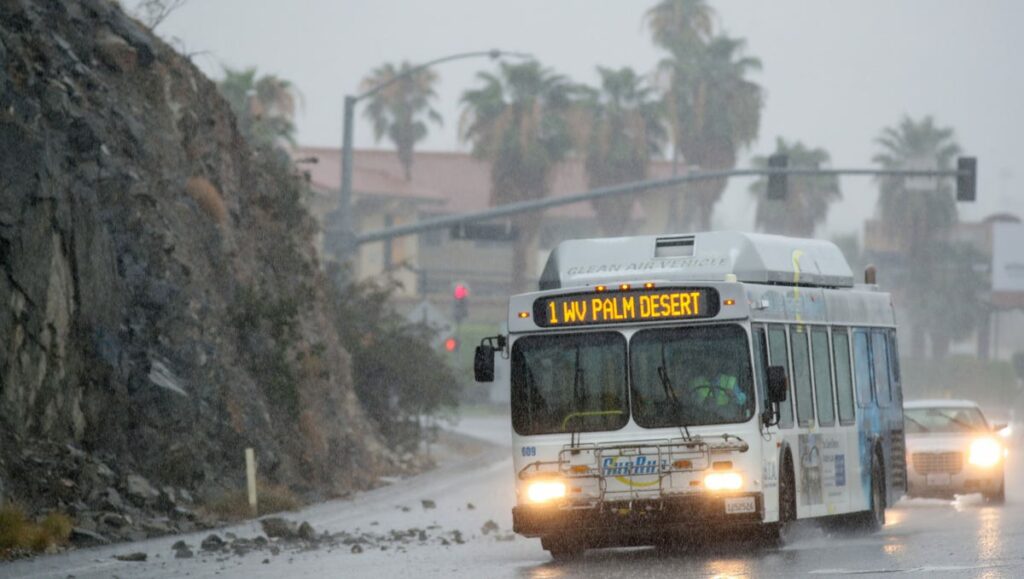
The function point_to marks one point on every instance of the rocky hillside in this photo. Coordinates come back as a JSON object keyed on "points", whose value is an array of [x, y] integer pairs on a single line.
{"points": [[162, 306]]}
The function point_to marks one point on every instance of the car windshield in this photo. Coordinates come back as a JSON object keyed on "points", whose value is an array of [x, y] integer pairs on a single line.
{"points": [[569, 383], [691, 376], [945, 420]]}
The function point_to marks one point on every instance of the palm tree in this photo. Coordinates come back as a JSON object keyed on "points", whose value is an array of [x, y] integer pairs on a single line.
{"points": [[678, 25], [807, 199], [681, 27], [519, 121], [624, 129], [714, 111], [264, 106], [913, 216], [401, 110], [917, 220], [948, 303]]}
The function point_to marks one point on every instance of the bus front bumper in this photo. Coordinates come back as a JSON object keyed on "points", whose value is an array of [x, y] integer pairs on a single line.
{"points": [[639, 518]]}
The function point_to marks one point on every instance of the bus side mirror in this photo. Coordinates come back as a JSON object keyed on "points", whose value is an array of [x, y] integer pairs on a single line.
{"points": [[778, 385], [483, 363]]}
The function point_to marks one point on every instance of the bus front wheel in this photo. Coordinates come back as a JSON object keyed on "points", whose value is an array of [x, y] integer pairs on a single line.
{"points": [[562, 548], [774, 533]]}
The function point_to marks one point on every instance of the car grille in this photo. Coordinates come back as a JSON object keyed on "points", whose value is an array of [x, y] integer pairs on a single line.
{"points": [[929, 462]]}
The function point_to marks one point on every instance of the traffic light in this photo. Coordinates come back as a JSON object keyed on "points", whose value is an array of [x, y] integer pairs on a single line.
{"points": [[967, 179], [460, 293], [777, 182], [451, 344], [1018, 364]]}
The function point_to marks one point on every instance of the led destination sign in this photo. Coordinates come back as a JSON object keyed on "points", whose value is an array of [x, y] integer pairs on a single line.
{"points": [[612, 307]]}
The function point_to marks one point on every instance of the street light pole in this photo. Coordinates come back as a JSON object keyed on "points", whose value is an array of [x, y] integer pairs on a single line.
{"points": [[346, 237], [346, 224]]}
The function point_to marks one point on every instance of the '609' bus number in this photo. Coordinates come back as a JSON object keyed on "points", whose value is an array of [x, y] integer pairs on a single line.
{"points": [[529, 451]]}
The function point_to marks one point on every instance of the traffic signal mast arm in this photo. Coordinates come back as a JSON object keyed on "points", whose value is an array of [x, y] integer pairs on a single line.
{"points": [[965, 174]]}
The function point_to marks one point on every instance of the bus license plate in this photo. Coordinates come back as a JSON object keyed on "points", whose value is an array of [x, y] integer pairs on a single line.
{"points": [[740, 505], [938, 479]]}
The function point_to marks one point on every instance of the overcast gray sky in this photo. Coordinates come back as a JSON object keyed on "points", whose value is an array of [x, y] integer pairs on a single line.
{"points": [[835, 72]]}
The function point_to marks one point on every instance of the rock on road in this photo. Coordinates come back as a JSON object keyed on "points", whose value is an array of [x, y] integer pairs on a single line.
{"points": [[962, 538]]}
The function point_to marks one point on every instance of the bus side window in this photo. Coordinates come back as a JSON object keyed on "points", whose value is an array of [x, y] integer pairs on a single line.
{"points": [[880, 354], [822, 377], [844, 375], [802, 375], [862, 367], [760, 364], [778, 354]]}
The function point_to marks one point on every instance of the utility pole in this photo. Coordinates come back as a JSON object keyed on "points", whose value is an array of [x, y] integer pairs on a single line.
{"points": [[966, 176]]}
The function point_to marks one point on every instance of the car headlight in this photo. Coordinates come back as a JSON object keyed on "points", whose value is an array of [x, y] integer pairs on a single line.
{"points": [[985, 452], [542, 491], [723, 481]]}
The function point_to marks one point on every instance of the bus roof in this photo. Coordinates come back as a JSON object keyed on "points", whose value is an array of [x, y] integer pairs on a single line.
{"points": [[751, 257]]}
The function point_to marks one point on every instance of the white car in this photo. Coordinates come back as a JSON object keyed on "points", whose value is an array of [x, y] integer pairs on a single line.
{"points": [[951, 449]]}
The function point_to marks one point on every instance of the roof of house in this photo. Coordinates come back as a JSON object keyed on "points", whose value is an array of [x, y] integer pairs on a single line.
{"points": [[451, 182]]}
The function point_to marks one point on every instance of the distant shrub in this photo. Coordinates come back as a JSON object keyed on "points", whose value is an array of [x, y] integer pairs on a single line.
{"points": [[399, 376], [19, 533], [991, 383], [207, 197], [272, 498]]}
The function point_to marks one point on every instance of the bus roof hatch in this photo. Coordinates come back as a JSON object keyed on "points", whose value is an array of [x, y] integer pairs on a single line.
{"points": [[752, 257]]}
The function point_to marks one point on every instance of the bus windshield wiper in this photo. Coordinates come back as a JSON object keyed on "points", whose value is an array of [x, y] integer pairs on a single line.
{"points": [[670, 394], [578, 397]]}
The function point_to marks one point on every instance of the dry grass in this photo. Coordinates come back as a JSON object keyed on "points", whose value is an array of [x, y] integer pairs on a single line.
{"points": [[234, 505], [19, 533], [208, 198]]}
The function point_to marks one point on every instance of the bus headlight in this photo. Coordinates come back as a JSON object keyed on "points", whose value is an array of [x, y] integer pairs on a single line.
{"points": [[723, 481], [985, 452], [542, 491]]}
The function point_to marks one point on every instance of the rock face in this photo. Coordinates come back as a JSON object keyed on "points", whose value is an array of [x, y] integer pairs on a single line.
{"points": [[160, 298]]}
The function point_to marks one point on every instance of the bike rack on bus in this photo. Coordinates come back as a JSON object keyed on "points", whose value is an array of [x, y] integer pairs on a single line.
{"points": [[677, 455]]}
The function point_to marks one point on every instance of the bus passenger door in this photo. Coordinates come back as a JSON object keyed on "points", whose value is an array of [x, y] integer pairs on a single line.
{"points": [[769, 452]]}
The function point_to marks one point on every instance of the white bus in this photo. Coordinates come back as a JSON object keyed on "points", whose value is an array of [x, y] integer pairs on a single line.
{"points": [[668, 384]]}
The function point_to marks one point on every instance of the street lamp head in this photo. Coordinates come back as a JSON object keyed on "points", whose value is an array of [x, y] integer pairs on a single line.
{"points": [[495, 54]]}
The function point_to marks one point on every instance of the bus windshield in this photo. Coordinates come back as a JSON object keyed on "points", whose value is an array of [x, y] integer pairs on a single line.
{"points": [[569, 383], [691, 376]]}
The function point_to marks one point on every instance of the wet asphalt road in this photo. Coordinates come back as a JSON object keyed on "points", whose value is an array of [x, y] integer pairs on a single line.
{"points": [[924, 538]]}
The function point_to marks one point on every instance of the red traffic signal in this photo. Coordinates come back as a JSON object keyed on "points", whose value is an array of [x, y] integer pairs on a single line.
{"points": [[461, 291], [451, 344]]}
